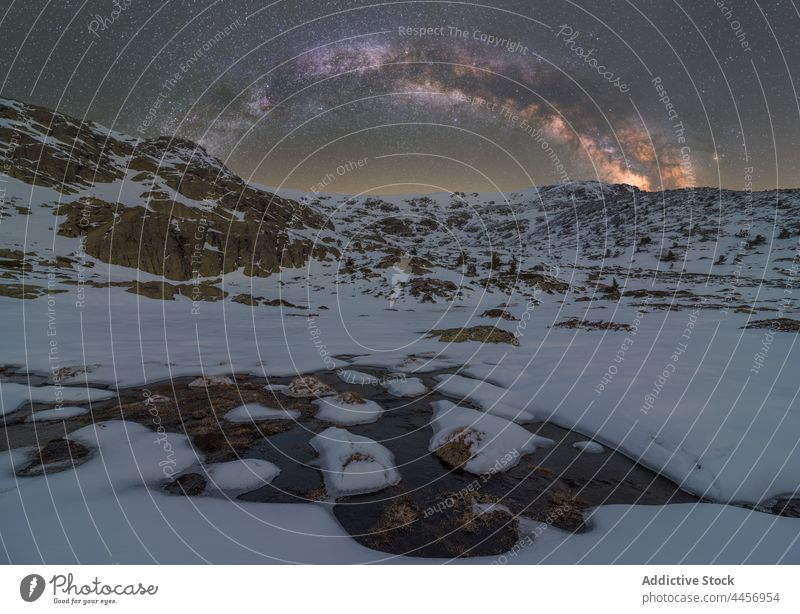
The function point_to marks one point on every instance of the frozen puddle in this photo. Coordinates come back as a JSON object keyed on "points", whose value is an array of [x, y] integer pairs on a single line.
{"points": [[473, 483], [353, 464]]}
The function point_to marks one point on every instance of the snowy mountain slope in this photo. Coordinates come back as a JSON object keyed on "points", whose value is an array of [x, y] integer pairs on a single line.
{"points": [[629, 309]]}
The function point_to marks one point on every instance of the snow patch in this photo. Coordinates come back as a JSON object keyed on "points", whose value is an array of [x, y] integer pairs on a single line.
{"points": [[253, 412], [13, 395], [495, 444], [353, 464], [592, 447], [487, 395], [339, 411], [406, 387], [245, 474]]}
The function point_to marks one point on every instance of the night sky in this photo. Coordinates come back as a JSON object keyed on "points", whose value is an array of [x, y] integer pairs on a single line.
{"points": [[431, 96]]}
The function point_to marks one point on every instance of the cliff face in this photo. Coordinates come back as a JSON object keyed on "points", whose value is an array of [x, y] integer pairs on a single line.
{"points": [[164, 206]]}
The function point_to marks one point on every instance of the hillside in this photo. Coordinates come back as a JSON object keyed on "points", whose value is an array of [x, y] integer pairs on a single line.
{"points": [[660, 326]]}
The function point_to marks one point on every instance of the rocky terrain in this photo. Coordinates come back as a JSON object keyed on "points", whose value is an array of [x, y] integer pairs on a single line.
{"points": [[656, 329]]}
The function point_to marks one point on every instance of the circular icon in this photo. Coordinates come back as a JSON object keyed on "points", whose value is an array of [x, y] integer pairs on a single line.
{"points": [[31, 587]]}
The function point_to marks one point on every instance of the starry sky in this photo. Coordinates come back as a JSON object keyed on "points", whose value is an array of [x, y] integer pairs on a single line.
{"points": [[431, 96]]}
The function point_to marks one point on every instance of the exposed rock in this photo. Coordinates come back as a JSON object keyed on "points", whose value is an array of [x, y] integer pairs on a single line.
{"points": [[565, 511], [280, 302], [428, 290], [247, 299], [189, 484], [481, 334], [204, 291], [592, 325], [168, 238], [785, 325], [787, 507], [221, 441], [57, 455], [414, 265], [14, 260], [27, 291], [497, 313], [308, 386], [183, 249], [457, 450], [545, 283], [211, 381], [351, 397], [75, 154], [395, 226]]}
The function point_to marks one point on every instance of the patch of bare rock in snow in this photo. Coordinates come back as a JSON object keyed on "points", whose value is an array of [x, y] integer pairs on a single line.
{"points": [[211, 381], [308, 386]]}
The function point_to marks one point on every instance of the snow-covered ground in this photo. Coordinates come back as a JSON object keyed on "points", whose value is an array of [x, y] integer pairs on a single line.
{"points": [[682, 387], [108, 510]]}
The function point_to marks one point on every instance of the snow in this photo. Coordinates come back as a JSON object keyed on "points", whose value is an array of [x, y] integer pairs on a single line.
{"points": [[343, 413], [276, 387], [241, 475], [591, 447], [85, 516], [253, 412], [308, 387], [60, 413], [687, 534], [134, 455], [353, 464], [718, 427], [485, 394], [13, 395], [405, 387], [496, 444], [728, 442]]}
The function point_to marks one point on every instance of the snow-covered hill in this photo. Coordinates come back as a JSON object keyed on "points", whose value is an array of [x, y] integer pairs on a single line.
{"points": [[659, 324]]}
